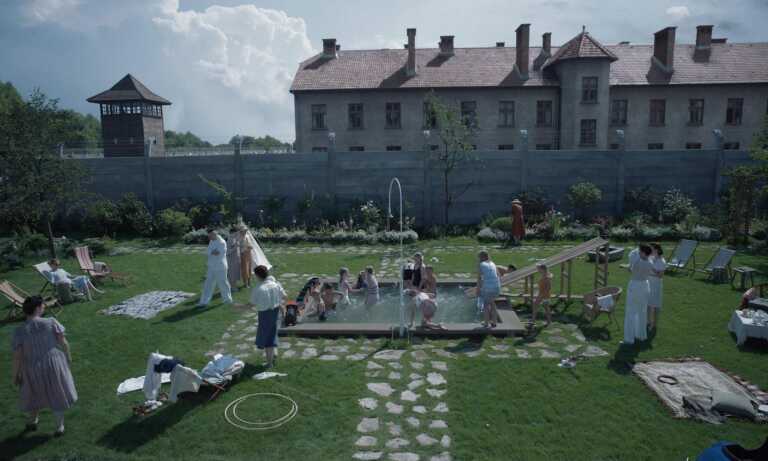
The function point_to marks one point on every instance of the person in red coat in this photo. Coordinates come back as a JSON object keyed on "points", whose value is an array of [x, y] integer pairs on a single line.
{"points": [[518, 224]]}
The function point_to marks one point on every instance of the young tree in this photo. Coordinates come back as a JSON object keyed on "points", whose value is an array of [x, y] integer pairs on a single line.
{"points": [[455, 133], [35, 182], [582, 196]]}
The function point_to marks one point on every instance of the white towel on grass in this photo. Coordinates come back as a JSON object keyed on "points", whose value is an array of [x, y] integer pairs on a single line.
{"points": [[606, 303]]}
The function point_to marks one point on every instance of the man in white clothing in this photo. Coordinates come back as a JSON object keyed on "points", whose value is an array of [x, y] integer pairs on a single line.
{"points": [[217, 270]]}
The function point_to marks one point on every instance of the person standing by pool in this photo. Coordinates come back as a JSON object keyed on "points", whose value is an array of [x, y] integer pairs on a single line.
{"points": [[656, 284], [545, 291], [417, 273], [638, 292], [429, 283], [488, 288], [41, 360], [267, 297], [345, 287], [233, 257], [371, 288], [216, 275], [518, 224]]}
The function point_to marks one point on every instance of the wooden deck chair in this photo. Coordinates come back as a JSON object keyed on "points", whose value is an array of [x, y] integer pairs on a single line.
{"points": [[44, 269], [685, 252], [591, 308], [16, 296], [721, 260], [96, 270]]}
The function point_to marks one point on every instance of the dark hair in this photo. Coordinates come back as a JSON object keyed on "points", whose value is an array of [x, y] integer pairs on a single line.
{"points": [[31, 304], [645, 248], [210, 229], [658, 248], [327, 286], [511, 267], [261, 272]]}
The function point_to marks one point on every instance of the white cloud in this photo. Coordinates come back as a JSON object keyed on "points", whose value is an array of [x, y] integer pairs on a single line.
{"points": [[378, 42], [41, 11], [678, 12]]}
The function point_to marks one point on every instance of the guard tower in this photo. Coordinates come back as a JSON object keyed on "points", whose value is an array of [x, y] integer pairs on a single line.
{"points": [[130, 115]]}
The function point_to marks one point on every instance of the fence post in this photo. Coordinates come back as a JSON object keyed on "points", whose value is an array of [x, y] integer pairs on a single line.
{"points": [[149, 191], [620, 171], [719, 165], [523, 161], [331, 165]]}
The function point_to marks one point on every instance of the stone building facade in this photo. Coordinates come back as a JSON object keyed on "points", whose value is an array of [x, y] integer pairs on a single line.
{"points": [[581, 95]]}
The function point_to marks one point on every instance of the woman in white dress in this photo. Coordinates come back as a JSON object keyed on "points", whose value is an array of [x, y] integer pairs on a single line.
{"points": [[656, 285], [638, 292]]}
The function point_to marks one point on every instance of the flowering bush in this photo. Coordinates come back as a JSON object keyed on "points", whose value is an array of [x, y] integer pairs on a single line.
{"points": [[676, 206], [621, 233], [487, 234], [371, 215]]}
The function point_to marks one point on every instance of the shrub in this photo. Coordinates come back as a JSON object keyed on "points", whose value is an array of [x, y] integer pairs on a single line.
{"points": [[10, 256], [642, 200], [534, 204], [487, 234], [200, 214], [273, 206], [503, 224], [621, 233], [706, 234], [136, 218], [172, 223], [577, 233], [676, 206], [409, 236], [648, 233], [582, 196], [371, 215], [32, 243], [759, 229], [102, 217], [195, 237], [97, 246]]}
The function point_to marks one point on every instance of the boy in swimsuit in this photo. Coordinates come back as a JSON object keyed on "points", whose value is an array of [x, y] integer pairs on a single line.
{"points": [[429, 284], [545, 289], [330, 297]]}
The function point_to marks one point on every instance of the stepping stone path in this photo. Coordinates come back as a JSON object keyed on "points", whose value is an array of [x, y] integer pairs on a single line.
{"points": [[401, 424]]}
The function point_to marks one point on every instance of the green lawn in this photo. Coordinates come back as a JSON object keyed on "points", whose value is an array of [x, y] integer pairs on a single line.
{"points": [[500, 408]]}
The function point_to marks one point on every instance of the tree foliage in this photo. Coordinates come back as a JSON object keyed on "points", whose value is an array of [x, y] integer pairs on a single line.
{"points": [[266, 143], [35, 182], [582, 196], [179, 139], [455, 150]]}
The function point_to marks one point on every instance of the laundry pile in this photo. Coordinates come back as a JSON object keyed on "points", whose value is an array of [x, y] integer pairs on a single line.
{"points": [[147, 305]]}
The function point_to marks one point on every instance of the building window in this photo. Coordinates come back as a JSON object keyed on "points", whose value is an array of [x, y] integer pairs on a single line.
{"points": [[543, 146], [658, 112], [394, 148], [393, 115], [430, 117], [319, 149], [733, 112], [619, 112], [469, 112], [655, 146], [543, 113], [615, 146], [731, 146], [506, 114], [588, 132], [356, 148], [318, 117], [506, 147], [696, 112], [589, 89], [693, 145], [355, 113]]}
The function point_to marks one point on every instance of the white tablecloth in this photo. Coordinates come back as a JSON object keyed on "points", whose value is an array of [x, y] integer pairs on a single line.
{"points": [[744, 328]]}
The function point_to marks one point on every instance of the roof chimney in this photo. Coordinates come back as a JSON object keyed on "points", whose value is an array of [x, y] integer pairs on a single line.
{"points": [[329, 48], [664, 49], [546, 51], [703, 43], [410, 66], [499, 44], [446, 45], [521, 47]]}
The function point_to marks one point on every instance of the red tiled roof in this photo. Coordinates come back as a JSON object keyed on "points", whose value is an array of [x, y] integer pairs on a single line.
{"points": [[582, 46], [128, 89], [493, 67]]}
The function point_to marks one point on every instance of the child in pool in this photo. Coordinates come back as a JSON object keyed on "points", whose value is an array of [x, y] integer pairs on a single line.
{"points": [[345, 288], [429, 284], [330, 298], [371, 288]]}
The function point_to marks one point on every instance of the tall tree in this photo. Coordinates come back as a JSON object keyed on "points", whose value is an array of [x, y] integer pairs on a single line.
{"points": [[188, 139], [456, 133], [35, 182], [266, 143]]}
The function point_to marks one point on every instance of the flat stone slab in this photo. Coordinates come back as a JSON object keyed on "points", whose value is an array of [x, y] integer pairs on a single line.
{"points": [[404, 457], [419, 355], [415, 384], [394, 429], [393, 375], [397, 443], [288, 354], [444, 456], [547, 354], [438, 424], [368, 425], [498, 356], [413, 422], [309, 353], [366, 441], [445, 441], [500, 347], [436, 393], [373, 366], [355, 357], [442, 366], [579, 337], [394, 408], [382, 389], [538, 344], [435, 379], [367, 455], [522, 354], [425, 440], [441, 407], [408, 396], [444, 353], [395, 365], [572, 348], [594, 351], [368, 403], [417, 365], [329, 357], [420, 409], [337, 349], [389, 354]]}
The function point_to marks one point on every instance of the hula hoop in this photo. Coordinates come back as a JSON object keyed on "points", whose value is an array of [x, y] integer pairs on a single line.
{"points": [[667, 379], [231, 416]]}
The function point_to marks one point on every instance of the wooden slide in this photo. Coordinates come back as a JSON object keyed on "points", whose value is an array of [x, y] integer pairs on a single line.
{"points": [[554, 260]]}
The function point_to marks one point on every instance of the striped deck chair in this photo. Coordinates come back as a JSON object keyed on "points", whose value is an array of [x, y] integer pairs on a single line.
{"points": [[16, 296], [96, 270], [720, 261], [685, 252], [44, 269]]}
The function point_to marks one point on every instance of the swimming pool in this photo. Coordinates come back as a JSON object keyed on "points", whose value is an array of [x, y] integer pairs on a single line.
{"points": [[453, 306]]}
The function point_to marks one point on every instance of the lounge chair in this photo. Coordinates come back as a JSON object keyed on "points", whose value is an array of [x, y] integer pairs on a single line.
{"points": [[719, 265], [685, 252], [591, 308], [44, 269], [16, 296], [94, 269]]}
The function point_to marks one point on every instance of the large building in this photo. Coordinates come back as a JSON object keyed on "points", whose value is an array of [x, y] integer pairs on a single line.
{"points": [[581, 95], [131, 115]]}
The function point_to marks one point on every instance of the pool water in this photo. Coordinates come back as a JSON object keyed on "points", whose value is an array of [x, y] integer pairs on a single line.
{"points": [[453, 306]]}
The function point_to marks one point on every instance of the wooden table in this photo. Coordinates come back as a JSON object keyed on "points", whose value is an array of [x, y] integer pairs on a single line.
{"points": [[745, 272]]}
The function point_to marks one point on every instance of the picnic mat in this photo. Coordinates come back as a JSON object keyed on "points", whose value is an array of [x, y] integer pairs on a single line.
{"points": [[694, 377], [147, 305]]}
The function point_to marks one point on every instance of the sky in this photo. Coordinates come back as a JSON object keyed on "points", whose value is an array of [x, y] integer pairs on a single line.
{"points": [[227, 65]]}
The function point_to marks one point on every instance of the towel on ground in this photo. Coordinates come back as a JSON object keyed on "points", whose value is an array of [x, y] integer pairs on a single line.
{"points": [[606, 303]]}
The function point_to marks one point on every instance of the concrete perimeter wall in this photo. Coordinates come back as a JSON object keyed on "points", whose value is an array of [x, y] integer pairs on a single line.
{"points": [[490, 181]]}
